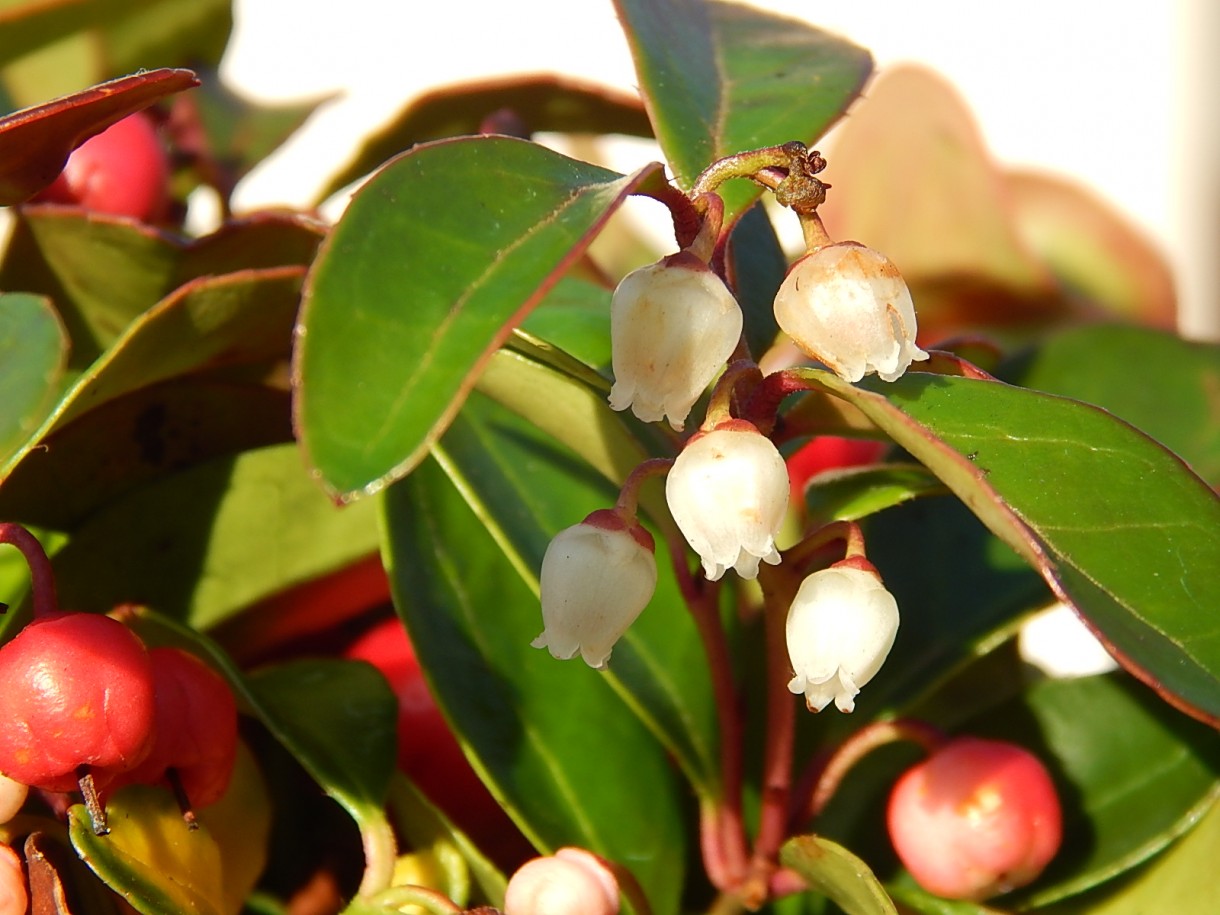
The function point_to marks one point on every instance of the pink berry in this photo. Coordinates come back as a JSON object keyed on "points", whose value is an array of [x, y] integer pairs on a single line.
{"points": [[78, 693], [14, 900], [196, 728], [975, 819], [572, 882], [124, 170]]}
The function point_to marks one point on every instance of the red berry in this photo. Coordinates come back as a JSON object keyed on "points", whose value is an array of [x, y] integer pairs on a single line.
{"points": [[78, 692], [196, 728], [975, 819], [428, 752], [123, 170], [829, 452]]}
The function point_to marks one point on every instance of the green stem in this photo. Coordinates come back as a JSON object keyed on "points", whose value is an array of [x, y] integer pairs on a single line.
{"points": [[380, 850], [433, 901]]}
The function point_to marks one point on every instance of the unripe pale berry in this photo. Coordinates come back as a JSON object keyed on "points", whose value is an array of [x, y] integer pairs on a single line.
{"points": [[571, 882], [196, 728], [12, 797], [975, 819], [78, 692]]}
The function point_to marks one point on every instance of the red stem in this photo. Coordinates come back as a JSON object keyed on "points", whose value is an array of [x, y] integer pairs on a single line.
{"points": [[725, 848], [779, 587], [42, 577]]}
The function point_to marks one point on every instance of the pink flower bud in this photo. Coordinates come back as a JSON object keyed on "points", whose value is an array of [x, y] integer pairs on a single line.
{"points": [[14, 898], [848, 307], [975, 819], [841, 626], [596, 578], [728, 493], [572, 882], [672, 326]]}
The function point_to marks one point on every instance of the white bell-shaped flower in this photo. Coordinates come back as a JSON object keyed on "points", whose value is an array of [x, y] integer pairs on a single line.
{"points": [[728, 493], [848, 307], [672, 326], [841, 627], [596, 578]]}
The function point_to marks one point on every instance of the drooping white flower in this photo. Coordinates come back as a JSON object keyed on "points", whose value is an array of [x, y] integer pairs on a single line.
{"points": [[848, 307], [570, 882], [841, 626], [596, 578], [728, 492], [672, 326]]}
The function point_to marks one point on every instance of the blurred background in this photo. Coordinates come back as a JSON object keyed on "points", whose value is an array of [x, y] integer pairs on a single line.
{"points": [[1114, 94]]}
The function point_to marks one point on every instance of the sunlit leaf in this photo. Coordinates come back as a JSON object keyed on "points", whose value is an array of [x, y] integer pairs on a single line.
{"points": [[423, 278], [832, 870], [719, 78], [33, 350]]}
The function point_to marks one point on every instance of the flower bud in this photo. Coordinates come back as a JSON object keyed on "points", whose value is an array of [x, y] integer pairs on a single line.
{"points": [[12, 797], [597, 577], [672, 326], [975, 819], [848, 307], [14, 899], [728, 492], [841, 626], [572, 882]]}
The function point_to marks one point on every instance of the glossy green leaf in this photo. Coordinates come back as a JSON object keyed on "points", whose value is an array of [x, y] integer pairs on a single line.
{"points": [[422, 279], [136, 439], [569, 761], [339, 719], [527, 490], [78, 42], [33, 350], [1116, 524], [756, 267], [151, 857], [529, 103], [1173, 402], [213, 323], [720, 78], [855, 493], [224, 535], [1132, 774], [100, 271], [832, 870], [103, 272], [35, 142], [1181, 880], [575, 317]]}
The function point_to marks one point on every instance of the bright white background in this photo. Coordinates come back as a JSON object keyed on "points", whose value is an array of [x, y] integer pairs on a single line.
{"points": [[1115, 93]]}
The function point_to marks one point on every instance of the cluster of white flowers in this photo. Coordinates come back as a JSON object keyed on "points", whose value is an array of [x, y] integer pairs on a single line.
{"points": [[673, 326]]}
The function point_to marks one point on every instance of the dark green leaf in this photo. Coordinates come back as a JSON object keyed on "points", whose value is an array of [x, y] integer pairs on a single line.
{"points": [[33, 350], [532, 103], [422, 279], [756, 265], [832, 870], [1132, 774], [240, 319], [206, 543], [855, 493], [569, 761], [720, 78], [575, 317], [1173, 401], [1181, 880], [1116, 524]]}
